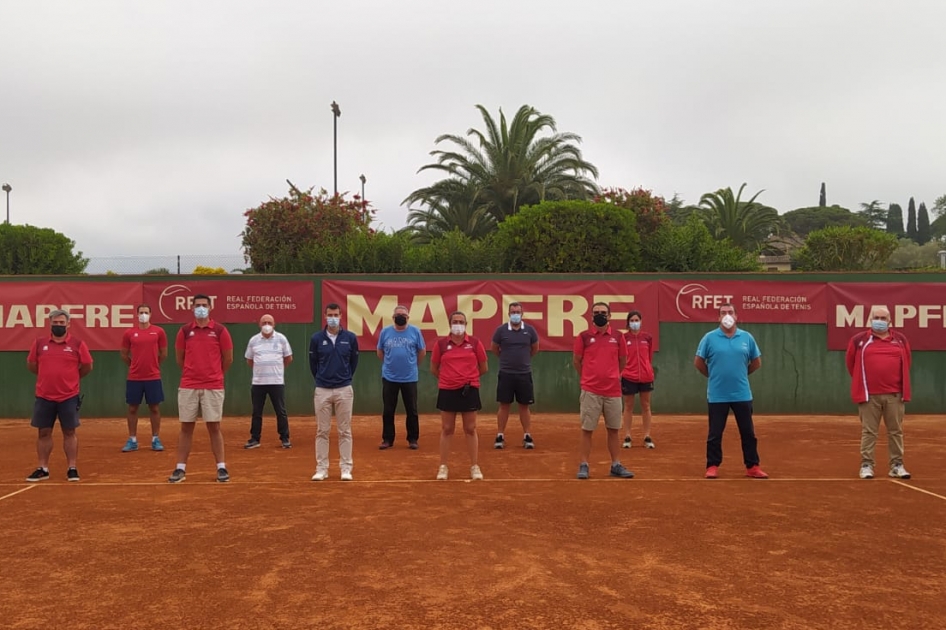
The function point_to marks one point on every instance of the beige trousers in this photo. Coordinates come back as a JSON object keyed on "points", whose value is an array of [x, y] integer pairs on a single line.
{"points": [[889, 408], [338, 402]]}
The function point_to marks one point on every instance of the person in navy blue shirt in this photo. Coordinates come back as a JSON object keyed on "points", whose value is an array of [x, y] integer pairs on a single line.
{"points": [[333, 359], [401, 348], [727, 356]]}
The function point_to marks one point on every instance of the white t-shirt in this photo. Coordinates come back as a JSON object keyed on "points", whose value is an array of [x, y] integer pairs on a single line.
{"points": [[267, 356]]}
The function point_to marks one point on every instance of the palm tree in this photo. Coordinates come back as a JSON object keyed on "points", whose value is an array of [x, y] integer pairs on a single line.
{"points": [[450, 205], [746, 224], [511, 165]]}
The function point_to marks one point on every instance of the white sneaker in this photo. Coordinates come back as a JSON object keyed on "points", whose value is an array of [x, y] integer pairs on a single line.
{"points": [[475, 473], [442, 473], [346, 475], [867, 472], [320, 475], [649, 443], [899, 472]]}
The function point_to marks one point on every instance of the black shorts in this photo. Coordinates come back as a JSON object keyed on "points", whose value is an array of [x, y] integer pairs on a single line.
{"points": [[45, 413], [515, 386], [152, 391], [459, 400], [629, 388]]}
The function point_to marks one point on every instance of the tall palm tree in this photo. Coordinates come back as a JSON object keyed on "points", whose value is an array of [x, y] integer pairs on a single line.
{"points": [[511, 165], [746, 224], [450, 205]]}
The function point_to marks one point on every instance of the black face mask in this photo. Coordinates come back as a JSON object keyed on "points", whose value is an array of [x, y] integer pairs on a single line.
{"points": [[400, 320], [601, 320], [58, 331]]}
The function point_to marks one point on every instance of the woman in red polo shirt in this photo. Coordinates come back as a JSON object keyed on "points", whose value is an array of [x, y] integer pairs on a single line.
{"points": [[457, 361], [638, 376]]}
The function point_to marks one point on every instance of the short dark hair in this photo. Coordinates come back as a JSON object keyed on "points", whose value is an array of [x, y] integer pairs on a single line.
{"points": [[632, 314], [141, 306], [201, 296], [604, 304], [331, 306], [457, 313], [511, 304], [727, 305]]}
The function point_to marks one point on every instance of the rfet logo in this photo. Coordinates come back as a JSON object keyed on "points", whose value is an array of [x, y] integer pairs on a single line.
{"points": [[697, 298], [176, 299]]}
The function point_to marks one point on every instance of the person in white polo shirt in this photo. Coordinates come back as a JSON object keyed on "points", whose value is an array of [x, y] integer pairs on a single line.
{"points": [[268, 353]]}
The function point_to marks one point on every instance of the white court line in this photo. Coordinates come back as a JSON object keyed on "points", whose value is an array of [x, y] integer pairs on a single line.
{"points": [[13, 494], [906, 485]]}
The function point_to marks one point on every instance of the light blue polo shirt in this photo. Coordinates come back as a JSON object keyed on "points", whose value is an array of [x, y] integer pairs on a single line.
{"points": [[400, 353], [727, 360]]}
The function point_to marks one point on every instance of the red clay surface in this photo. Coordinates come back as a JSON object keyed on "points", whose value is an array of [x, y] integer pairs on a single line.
{"points": [[529, 547]]}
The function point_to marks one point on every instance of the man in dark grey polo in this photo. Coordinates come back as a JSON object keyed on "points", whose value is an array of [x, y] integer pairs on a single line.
{"points": [[515, 344]]}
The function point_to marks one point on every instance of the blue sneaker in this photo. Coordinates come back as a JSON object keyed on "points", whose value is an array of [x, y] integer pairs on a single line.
{"points": [[130, 445], [156, 444], [583, 471], [618, 470]]}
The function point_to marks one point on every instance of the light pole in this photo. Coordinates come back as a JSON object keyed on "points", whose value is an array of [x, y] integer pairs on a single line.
{"points": [[336, 113], [942, 258], [7, 188]]}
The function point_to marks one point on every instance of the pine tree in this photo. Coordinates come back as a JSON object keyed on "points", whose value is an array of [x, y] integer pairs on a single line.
{"points": [[911, 221], [895, 220], [923, 232]]}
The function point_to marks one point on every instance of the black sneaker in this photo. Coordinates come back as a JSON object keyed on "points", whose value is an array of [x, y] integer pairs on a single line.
{"points": [[251, 444], [649, 443], [177, 476], [72, 474], [286, 443], [38, 475], [499, 443], [412, 445], [527, 442], [222, 475]]}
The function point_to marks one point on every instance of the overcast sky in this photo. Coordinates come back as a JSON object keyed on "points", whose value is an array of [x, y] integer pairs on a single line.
{"points": [[150, 127]]}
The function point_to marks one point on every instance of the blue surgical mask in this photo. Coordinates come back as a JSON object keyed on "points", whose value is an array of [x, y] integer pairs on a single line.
{"points": [[515, 318], [635, 326], [333, 321], [201, 312], [879, 325]]}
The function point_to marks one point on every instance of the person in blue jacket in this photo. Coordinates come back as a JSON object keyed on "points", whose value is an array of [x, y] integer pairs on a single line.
{"points": [[333, 359]]}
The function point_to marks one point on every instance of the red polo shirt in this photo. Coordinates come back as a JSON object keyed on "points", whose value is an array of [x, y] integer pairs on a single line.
{"points": [[144, 344], [883, 361], [599, 353], [203, 348], [459, 364], [58, 361]]}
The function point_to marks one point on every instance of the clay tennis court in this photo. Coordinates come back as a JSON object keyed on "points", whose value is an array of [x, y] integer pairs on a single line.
{"points": [[529, 547]]}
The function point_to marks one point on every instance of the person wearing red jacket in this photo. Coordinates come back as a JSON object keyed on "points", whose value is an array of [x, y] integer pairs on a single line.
{"points": [[878, 361], [637, 377]]}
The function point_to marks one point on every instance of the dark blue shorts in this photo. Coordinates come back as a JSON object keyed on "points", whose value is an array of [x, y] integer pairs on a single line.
{"points": [[45, 413], [152, 391]]}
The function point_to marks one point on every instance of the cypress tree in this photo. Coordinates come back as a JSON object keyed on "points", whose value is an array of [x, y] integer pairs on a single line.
{"points": [[923, 233], [911, 221], [895, 220]]}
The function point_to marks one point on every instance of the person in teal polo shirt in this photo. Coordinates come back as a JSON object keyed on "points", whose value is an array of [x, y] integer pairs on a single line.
{"points": [[727, 356]]}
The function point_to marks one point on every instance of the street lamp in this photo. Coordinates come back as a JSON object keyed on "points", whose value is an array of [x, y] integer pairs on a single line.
{"points": [[7, 188], [337, 112], [364, 205]]}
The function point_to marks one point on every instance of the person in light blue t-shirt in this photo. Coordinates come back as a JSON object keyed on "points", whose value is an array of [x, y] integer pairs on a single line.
{"points": [[727, 356], [401, 348]]}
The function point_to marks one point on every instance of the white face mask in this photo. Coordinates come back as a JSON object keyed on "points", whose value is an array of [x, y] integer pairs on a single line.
{"points": [[728, 321], [333, 321], [267, 329], [458, 329], [144, 318], [635, 326]]}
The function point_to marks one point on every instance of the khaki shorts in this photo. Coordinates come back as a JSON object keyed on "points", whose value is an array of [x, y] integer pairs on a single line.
{"points": [[592, 406], [207, 403]]}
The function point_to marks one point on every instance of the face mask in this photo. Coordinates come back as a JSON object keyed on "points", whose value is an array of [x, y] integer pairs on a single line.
{"points": [[333, 321], [516, 318], [879, 325], [201, 312], [601, 319], [400, 320], [728, 321], [57, 330], [635, 326], [458, 329], [267, 329], [144, 318]]}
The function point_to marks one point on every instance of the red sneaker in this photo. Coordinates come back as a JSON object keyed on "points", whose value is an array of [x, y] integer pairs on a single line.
{"points": [[712, 472], [756, 473]]}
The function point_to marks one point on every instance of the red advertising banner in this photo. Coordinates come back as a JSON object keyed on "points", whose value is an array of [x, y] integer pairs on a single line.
{"points": [[918, 310], [557, 310], [100, 312], [289, 302], [755, 302]]}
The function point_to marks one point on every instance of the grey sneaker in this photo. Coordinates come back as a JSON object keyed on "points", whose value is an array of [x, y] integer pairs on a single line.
{"points": [[251, 444], [222, 475], [867, 472], [286, 443], [899, 472], [618, 470], [582, 471], [177, 476]]}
